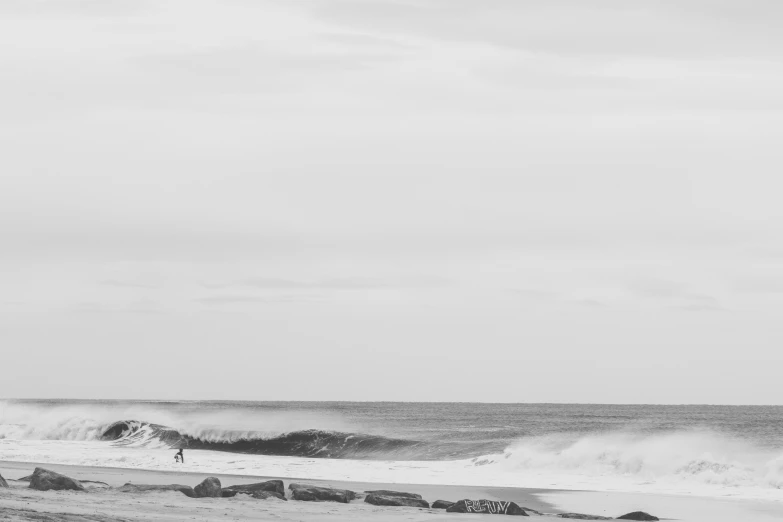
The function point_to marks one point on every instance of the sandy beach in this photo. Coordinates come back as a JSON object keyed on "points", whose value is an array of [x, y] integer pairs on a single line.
{"points": [[102, 503], [18, 502]]}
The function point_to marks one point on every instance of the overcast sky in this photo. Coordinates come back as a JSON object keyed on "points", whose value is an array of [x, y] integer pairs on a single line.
{"points": [[524, 201]]}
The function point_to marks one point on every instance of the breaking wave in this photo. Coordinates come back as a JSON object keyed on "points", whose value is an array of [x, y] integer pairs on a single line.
{"points": [[306, 443], [284, 433], [682, 456]]}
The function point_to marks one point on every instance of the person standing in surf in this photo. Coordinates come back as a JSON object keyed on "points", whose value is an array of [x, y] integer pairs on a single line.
{"points": [[180, 455]]}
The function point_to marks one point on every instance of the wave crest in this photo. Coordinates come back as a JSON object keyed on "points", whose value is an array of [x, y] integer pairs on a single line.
{"points": [[305, 443]]}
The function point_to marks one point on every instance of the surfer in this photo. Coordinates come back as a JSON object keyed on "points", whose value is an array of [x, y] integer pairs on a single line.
{"points": [[179, 456]]}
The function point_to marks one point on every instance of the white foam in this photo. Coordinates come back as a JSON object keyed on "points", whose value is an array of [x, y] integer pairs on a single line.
{"points": [[688, 458], [463, 472]]}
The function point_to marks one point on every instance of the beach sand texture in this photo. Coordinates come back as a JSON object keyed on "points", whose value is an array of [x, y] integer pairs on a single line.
{"points": [[19, 503]]}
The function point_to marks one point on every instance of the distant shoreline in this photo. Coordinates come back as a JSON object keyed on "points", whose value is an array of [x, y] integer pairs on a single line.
{"points": [[354, 401]]}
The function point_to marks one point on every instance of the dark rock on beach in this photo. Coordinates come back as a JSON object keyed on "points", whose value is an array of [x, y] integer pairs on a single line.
{"points": [[351, 495], [387, 493], [269, 485], [637, 515], [88, 484], [263, 495], [580, 516], [385, 500], [136, 488], [228, 493], [209, 487], [315, 494], [491, 507], [44, 480], [3, 483], [442, 504]]}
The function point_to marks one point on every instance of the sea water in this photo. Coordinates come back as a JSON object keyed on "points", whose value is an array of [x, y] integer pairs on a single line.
{"points": [[732, 451]]}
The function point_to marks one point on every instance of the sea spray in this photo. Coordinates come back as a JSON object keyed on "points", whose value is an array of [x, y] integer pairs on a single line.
{"points": [[684, 456]]}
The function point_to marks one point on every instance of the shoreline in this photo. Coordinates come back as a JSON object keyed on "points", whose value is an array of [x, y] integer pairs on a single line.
{"points": [[102, 505], [117, 477], [19, 503]]}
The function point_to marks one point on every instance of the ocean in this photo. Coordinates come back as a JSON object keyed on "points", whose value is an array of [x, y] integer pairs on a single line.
{"points": [[732, 451]]}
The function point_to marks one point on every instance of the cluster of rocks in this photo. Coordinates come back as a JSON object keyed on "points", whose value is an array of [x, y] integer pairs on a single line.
{"points": [[45, 480]]}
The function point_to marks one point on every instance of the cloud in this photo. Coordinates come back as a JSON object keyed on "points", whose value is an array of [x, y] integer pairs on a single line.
{"points": [[76, 8], [547, 296], [129, 284], [758, 284], [662, 289], [536, 295], [657, 288], [701, 307], [379, 173], [251, 299], [337, 283], [697, 29], [590, 303], [256, 68], [141, 306], [282, 290]]}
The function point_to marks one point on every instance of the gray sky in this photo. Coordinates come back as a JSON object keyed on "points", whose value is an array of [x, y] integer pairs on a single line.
{"points": [[392, 200]]}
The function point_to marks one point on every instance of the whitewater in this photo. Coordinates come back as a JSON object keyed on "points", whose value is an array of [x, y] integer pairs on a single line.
{"points": [[713, 451]]}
